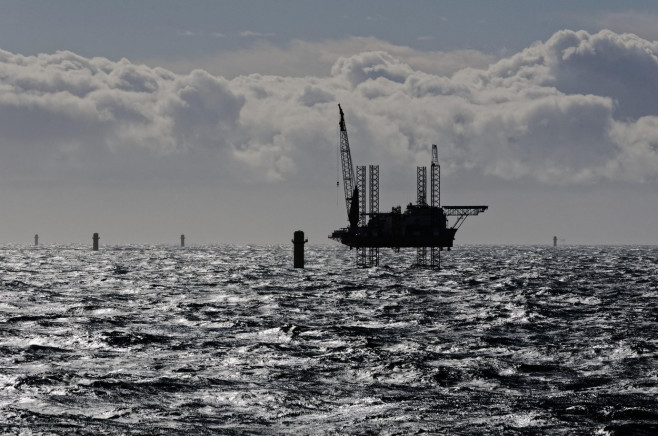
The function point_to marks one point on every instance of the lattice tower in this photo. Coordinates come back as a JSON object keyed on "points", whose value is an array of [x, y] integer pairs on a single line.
{"points": [[421, 185], [373, 252]]}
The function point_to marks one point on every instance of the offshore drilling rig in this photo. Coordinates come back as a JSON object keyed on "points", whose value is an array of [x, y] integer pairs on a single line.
{"points": [[420, 226]]}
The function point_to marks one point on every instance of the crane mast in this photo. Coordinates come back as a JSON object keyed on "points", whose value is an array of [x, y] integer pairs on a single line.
{"points": [[351, 193]]}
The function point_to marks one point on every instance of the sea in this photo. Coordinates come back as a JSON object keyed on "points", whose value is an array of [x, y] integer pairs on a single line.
{"points": [[232, 340]]}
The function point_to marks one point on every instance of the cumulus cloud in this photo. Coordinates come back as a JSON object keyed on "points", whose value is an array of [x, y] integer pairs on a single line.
{"points": [[578, 108], [65, 108]]}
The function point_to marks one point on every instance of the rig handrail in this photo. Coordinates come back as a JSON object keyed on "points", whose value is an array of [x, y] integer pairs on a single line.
{"points": [[463, 210]]}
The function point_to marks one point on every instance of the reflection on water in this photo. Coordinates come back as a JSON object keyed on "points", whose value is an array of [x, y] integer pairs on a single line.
{"points": [[231, 339]]}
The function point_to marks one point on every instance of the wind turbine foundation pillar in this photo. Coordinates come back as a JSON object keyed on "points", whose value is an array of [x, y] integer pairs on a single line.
{"points": [[298, 242]]}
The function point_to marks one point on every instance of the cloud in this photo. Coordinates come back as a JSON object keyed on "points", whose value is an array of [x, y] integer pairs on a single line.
{"points": [[303, 58], [190, 33], [66, 113], [252, 34], [576, 109], [371, 66]]}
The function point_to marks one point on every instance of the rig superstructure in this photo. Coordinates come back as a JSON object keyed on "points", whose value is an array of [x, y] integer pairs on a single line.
{"points": [[420, 226]]}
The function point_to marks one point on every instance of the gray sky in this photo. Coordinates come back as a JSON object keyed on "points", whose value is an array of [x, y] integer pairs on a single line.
{"points": [[218, 119]]}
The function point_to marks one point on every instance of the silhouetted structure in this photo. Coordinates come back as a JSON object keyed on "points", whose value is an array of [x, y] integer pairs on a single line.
{"points": [[419, 226], [182, 240], [298, 242], [36, 240], [96, 238], [554, 241]]}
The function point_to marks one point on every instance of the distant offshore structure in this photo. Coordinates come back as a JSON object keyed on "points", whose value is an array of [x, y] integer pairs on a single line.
{"points": [[556, 240], [420, 226]]}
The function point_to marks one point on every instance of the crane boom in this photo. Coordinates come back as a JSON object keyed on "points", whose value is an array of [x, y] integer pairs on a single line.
{"points": [[348, 169]]}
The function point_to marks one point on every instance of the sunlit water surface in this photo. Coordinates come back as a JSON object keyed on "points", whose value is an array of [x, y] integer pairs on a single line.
{"points": [[232, 340]]}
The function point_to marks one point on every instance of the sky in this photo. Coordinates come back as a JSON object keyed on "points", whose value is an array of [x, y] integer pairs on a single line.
{"points": [[146, 120]]}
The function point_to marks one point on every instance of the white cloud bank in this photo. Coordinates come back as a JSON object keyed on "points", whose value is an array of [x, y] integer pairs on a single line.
{"points": [[578, 108]]}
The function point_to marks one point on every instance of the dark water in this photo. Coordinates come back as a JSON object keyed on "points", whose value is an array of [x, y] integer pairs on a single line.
{"points": [[232, 340]]}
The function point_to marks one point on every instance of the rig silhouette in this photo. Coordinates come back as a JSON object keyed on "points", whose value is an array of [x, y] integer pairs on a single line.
{"points": [[420, 226]]}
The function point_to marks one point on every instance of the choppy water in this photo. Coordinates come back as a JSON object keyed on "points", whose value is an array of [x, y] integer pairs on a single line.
{"points": [[232, 340]]}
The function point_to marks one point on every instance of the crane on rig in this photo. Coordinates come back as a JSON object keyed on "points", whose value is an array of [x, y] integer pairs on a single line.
{"points": [[351, 192], [422, 225]]}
